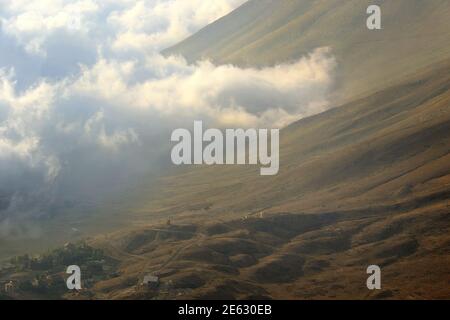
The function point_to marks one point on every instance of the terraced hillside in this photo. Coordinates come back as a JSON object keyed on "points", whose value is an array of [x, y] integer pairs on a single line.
{"points": [[287, 256]]}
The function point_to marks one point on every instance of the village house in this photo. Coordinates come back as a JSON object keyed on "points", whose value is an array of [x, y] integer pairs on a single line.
{"points": [[10, 287], [150, 282]]}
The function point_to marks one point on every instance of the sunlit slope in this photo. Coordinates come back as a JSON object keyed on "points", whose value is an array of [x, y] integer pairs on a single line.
{"points": [[389, 148], [261, 32], [365, 183]]}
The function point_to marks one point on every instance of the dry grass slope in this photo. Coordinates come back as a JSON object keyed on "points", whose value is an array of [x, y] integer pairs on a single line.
{"points": [[365, 183], [265, 32]]}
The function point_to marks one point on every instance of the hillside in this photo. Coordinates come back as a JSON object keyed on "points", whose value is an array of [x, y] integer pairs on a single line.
{"points": [[365, 183], [266, 32], [387, 148]]}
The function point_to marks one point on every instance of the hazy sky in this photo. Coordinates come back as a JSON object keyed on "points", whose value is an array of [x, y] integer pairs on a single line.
{"points": [[87, 103]]}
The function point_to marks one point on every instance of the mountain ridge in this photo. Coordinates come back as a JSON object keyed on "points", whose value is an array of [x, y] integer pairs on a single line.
{"points": [[262, 33]]}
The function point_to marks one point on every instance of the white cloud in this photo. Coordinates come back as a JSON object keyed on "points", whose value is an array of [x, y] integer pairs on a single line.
{"points": [[86, 107], [161, 23]]}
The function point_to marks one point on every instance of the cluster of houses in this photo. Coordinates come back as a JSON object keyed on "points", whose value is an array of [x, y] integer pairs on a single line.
{"points": [[8, 287]]}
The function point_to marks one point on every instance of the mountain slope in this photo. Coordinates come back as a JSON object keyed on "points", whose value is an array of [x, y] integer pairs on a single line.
{"points": [[265, 32], [365, 183], [390, 146]]}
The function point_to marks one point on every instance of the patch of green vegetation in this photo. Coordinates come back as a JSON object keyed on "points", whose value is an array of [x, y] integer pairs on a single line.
{"points": [[45, 275], [79, 254]]}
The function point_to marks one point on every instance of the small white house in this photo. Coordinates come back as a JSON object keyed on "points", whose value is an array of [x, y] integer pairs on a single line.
{"points": [[151, 281], [9, 287]]}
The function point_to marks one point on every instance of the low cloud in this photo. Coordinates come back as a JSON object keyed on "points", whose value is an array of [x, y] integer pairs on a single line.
{"points": [[87, 104]]}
